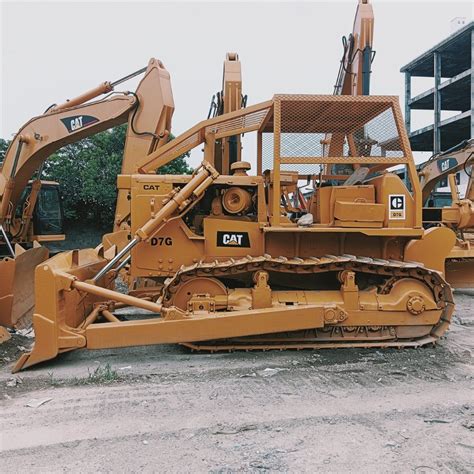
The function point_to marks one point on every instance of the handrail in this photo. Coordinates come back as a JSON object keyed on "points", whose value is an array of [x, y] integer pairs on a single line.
{"points": [[226, 125]]}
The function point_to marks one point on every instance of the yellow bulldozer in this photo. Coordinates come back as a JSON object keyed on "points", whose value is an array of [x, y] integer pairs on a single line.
{"points": [[231, 259], [236, 259]]}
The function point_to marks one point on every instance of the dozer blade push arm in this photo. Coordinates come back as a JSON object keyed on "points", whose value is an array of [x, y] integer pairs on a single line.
{"points": [[203, 177]]}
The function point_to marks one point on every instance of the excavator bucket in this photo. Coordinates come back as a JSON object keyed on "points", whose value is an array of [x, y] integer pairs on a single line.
{"points": [[16, 281]]}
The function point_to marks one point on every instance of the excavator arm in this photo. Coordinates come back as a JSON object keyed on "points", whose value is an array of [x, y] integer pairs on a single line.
{"points": [[353, 78], [229, 99], [148, 112], [354, 72]]}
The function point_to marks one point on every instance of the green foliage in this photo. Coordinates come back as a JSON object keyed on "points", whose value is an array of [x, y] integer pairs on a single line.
{"points": [[102, 375], [3, 148], [87, 173]]}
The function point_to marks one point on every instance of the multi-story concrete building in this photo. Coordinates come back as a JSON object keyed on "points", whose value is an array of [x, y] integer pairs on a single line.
{"points": [[451, 64]]}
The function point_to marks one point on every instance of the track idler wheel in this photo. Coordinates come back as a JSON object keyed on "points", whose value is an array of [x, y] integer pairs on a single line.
{"points": [[197, 287]]}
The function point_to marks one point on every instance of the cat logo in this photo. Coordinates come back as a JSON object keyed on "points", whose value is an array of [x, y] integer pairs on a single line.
{"points": [[151, 187], [233, 239], [78, 121], [447, 164], [396, 207]]}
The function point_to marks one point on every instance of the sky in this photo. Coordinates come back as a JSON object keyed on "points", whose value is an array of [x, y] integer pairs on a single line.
{"points": [[52, 51]]}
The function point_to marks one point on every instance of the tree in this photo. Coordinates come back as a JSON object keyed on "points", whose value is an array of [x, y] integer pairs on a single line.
{"points": [[3, 148], [87, 173]]}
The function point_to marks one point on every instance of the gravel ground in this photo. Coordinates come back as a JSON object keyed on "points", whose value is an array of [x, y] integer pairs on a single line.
{"points": [[162, 408]]}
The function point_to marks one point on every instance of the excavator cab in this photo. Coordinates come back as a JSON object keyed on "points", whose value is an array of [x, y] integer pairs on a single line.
{"points": [[48, 215], [17, 260]]}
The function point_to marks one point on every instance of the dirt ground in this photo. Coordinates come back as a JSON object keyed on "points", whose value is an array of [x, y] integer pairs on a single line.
{"points": [[163, 408]]}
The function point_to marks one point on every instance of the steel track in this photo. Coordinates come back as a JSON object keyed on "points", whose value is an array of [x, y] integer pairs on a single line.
{"points": [[333, 336]]}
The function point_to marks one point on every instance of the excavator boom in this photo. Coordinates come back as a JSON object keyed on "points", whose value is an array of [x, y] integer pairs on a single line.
{"points": [[43, 135], [148, 112], [354, 72]]}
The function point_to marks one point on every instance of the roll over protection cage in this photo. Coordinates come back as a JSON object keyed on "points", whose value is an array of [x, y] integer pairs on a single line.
{"points": [[301, 131]]}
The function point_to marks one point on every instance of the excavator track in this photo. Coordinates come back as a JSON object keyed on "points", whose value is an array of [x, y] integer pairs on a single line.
{"points": [[332, 336]]}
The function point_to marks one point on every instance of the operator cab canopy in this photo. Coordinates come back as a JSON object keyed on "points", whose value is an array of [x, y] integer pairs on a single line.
{"points": [[322, 139]]}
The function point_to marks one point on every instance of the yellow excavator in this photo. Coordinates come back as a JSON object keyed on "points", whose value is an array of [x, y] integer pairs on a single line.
{"points": [[458, 214], [30, 211]]}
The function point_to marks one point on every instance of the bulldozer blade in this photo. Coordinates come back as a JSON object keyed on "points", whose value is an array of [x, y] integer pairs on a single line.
{"points": [[4, 335], [460, 272], [53, 333], [16, 286], [67, 306], [459, 264]]}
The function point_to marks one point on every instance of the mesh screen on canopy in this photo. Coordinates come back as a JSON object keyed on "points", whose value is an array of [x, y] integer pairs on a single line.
{"points": [[334, 126]]}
